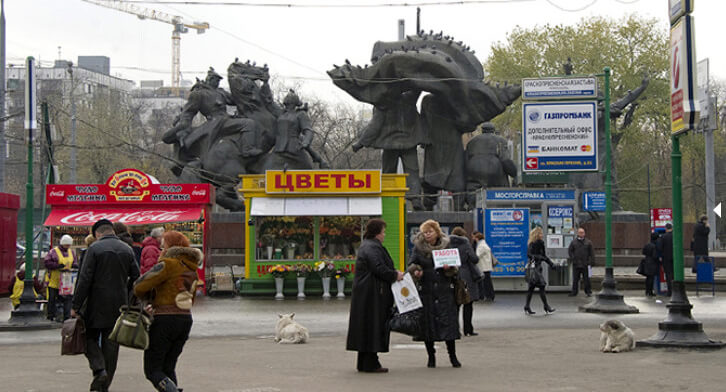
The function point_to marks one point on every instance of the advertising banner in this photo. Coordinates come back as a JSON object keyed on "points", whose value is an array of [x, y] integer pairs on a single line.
{"points": [[659, 217], [507, 232], [323, 181], [684, 104], [593, 201], [559, 136]]}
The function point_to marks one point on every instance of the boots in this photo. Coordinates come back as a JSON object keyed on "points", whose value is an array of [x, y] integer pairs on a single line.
{"points": [[451, 348], [166, 385], [547, 308], [527, 309], [432, 354]]}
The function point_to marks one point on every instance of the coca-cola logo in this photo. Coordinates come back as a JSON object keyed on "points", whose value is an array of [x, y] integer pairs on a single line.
{"points": [[132, 218], [56, 194], [199, 192]]}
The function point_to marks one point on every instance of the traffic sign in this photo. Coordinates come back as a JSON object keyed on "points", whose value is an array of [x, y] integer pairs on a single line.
{"points": [[717, 210]]}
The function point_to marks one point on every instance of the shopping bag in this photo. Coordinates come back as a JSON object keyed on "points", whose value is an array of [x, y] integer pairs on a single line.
{"points": [[73, 337], [132, 327], [409, 323], [67, 283], [641, 268], [405, 294]]}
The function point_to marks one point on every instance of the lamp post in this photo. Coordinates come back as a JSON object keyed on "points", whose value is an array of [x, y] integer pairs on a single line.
{"points": [[608, 300], [73, 125], [28, 314]]}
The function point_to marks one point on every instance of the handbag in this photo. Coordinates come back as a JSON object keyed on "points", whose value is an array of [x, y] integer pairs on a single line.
{"points": [[533, 275], [641, 268], [461, 291], [409, 323], [132, 327], [73, 337]]}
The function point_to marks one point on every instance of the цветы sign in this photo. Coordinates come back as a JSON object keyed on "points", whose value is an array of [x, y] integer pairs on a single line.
{"points": [[324, 181]]}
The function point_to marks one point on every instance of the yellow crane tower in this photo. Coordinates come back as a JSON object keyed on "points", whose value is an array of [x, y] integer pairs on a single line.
{"points": [[180, 26]]}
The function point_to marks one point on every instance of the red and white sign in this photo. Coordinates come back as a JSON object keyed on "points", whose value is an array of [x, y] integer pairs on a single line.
{"points": [[659, 217], [129, 216], [531, 163]]}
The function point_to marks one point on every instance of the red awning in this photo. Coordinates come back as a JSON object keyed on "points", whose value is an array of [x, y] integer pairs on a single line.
{"points": [[129, 216]]}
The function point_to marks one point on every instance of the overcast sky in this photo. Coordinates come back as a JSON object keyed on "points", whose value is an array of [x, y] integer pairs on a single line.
{"points": [[303, 42]]}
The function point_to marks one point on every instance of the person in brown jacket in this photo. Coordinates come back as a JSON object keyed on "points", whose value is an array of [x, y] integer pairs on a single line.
{"points": [[173, 279]]}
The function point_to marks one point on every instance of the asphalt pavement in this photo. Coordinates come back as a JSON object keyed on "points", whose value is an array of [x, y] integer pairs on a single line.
{"points": [[232, 350]]}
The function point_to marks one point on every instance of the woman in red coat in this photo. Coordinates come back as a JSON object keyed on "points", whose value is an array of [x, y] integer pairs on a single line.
{"points": [[152, 249]]}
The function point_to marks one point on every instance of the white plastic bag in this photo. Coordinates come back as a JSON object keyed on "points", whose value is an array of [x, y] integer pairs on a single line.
{"points": [[405, 294]]}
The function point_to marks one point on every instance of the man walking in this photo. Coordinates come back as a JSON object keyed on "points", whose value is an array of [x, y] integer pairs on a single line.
{"points": [[582, 257], [61, 258], [107, 275], [665, 250]]}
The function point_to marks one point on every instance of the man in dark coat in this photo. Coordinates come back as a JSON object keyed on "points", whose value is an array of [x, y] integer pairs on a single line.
{"points": [[700, 241], [581, 256], [371, 299], [106, 278], [665, 250]]}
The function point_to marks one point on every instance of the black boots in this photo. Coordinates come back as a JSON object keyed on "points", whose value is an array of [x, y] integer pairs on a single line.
{"points": [[166, 385], [432, 354], [100, 378], [549, 310], [528, 311], [451, 348]]}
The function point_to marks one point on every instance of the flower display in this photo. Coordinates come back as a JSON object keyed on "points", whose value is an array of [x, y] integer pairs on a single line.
{"points": [[279, 271], [301, 270], [342, 272], [324, 268]]}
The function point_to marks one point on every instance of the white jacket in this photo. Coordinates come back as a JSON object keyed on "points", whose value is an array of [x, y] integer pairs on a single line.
{"points": [[485, 256]]}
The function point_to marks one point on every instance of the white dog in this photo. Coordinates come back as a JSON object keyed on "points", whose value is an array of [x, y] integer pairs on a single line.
{"points": [[616, 337], [290, 331]]}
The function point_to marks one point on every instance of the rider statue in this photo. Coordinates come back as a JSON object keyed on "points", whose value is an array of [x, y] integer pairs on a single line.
{"points": [[193, 143]]}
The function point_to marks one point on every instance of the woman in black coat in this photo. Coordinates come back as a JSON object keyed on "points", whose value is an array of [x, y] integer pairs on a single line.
{"points": [[536, 254], [371, 299], [651, 264], [436, 289], [469, 273]]}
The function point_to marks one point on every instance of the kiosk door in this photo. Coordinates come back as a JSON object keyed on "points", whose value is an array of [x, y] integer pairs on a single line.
{"points": [[559, 234]]}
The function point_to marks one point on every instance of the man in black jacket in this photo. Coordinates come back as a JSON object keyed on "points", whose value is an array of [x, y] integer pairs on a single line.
{"points": [[582, 256], [700, 242], [665, 250], [106, 278]]}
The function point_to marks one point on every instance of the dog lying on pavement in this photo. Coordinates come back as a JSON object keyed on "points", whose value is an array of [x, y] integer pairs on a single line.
{"points": [[289, 330], [616, 337]]}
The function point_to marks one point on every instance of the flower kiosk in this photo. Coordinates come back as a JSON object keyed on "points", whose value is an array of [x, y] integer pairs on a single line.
{"points": [[136, 199], [300, 220]]}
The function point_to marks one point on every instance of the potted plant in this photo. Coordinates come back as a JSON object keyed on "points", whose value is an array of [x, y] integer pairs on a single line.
{"points": [[340, 274], [301, 271], [325, 269], [278, 272]]}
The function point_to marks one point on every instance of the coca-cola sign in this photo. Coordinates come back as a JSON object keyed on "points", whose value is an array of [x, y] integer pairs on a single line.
{"points": [[87, 218], [56, 194]]}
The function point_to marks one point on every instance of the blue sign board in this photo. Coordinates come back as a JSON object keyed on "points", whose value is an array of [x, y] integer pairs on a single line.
{"points": [[593, 201], [506, 233], [532, 195], [559, 211]]}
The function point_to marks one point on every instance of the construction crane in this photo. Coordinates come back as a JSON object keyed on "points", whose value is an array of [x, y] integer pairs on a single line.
{"points": [[180, 26]]}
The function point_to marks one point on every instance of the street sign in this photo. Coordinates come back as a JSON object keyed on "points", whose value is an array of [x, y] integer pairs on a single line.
{"points": [[678, 8], [559, 136], [717, 210], [684, 106], [559, 88], [593, 201]]}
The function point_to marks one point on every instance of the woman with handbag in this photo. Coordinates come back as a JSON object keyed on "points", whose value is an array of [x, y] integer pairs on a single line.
{"points": [[650, 265], [173, 281], [371, 299], [469, 273], [536, 255], [436, 289], [486, 264]]}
